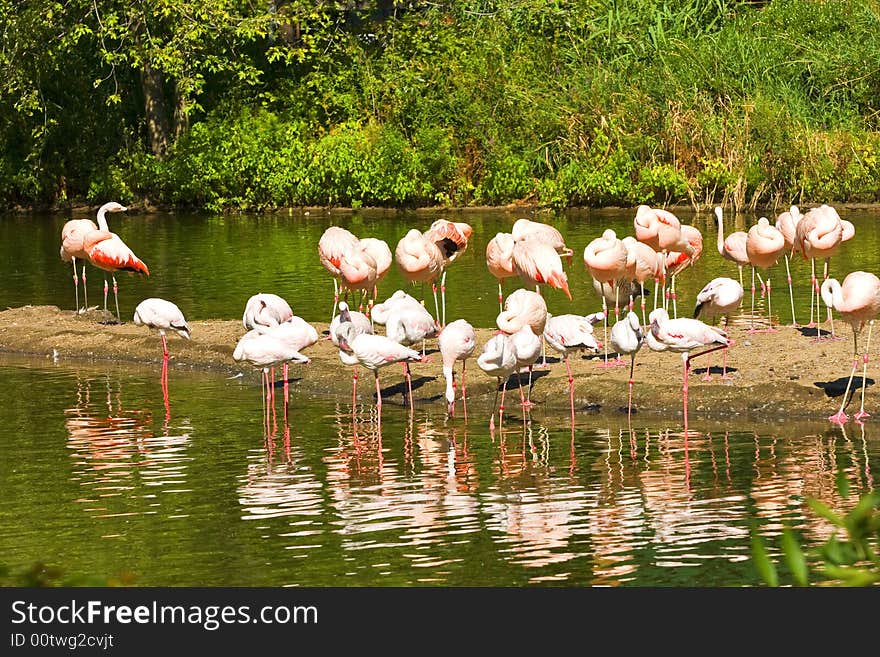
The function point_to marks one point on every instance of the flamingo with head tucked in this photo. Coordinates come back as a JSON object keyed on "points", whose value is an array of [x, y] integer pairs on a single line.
{"points": [[265, 309], [764, 244], [334, 243], [106, 250], [420, 260], [606, 259], [498, 359], [661, 230], [858, 302], [451, 238], [819, 234], [380, 252]]}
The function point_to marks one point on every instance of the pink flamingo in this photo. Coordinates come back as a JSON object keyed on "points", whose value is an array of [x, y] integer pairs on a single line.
{"points": [[457, 341], [498, 359], [642, 265], [661, 230], [719, 298], [523, 308], [627, 336], [335, 242], [408, 325], [538, 263], [362, 324], [606, 258], [526, 348], [296, 333], [451, 237], [526, 228], [107, 251], [264, 309], [683, 335], [420, 261], [374, 352], [819, 234], [358, 272], [568, 334], [163, 316], [677, 262], [857, 301], [787, 223], [764, 244], [733, 247], [499, 261], [73, 244]]}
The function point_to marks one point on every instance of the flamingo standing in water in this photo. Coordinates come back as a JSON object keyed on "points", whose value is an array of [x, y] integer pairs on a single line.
{"points": [[499, 261], [334, 243], [163, 316], [73, 245], [819, 234], [605, 258], [719, 298], [374, 352], [683, 335], [857, 301], [568, 334], [627, 336], [764, 244], [733, 247], [107, 251], [498, 359], [457, 341], [362, 324], [787, 223], [297, 334], [661, 230], [408, 325]]}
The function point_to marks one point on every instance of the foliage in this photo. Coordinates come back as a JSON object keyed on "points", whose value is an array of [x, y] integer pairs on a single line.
{"points": [[42, 575], [849, 557], [409, 102]]}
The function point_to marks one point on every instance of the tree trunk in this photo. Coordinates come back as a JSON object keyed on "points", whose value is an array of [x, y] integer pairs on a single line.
{"points": [[154, 109], [181, 117]]}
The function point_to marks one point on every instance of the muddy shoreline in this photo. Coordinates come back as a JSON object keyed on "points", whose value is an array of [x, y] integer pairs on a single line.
{"points": [[782, 374]]}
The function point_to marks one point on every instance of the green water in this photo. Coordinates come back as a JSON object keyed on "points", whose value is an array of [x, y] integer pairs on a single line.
{"points": [[99, 479]]}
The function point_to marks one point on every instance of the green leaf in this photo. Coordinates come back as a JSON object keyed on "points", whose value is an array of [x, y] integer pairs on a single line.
{"points": [[763, 564], [794, 557], [825, 511]]}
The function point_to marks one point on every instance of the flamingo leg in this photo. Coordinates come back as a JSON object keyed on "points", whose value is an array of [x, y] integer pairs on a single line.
{"points": [[825, 278], [408, 384], [769, 306], [463, 389], [106, 289], [354, 386], [740, 275], [605, 326], [674, 304], [840, 417], [116, 298], [500, 299], [378, 398], [724, 375], [335, 299], [443, 297], [708, 375], [284, 374], [642, 285], [656, 288], [790, 291], [76, 284], [164, 382], [684, 391], [436, 305], [812, 289], [521, 395], [501, 408], [752, 328], [85, 288], [861, 414], [164, 345], [494, 405], [629, 403]]}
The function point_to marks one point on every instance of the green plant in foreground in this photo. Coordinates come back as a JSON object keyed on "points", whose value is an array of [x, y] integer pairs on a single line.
{"points": [[850, 559]]}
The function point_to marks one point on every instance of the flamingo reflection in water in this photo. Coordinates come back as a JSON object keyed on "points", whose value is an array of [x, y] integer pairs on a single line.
{"points": [[163, 316]]}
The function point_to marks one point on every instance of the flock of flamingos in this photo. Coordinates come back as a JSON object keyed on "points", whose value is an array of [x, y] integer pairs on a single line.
{"points": [[661, 249]]}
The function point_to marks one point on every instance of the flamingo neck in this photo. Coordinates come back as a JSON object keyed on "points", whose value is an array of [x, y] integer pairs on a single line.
{"points": [[102, 219], [720, 233], [450, 389]]}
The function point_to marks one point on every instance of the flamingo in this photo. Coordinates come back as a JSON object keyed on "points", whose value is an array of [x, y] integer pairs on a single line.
{"points": [[537, 262], [72, 244], [526, 228], [819, 234], [374, 352], [420, 261], [857, 301], [764, 244], [626, 338], [661, 230], [498, 359], [683, 335], [451, 237], [787, 223], [733, 247], [605, 258], [265, 351], [720, 297], [408, 325], [334, 243], [499, 261], [526, 348], [397, 301], [265, 309], [523, 308], [107, 251], [642, 264], [381, 254], [457, 341], [568, 334], [297, 334], [358, 271], [362, 324], [163, 316], [677, 262]]}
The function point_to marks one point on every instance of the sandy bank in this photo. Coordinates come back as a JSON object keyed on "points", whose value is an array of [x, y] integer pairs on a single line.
{"points": [[782, 374]]}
